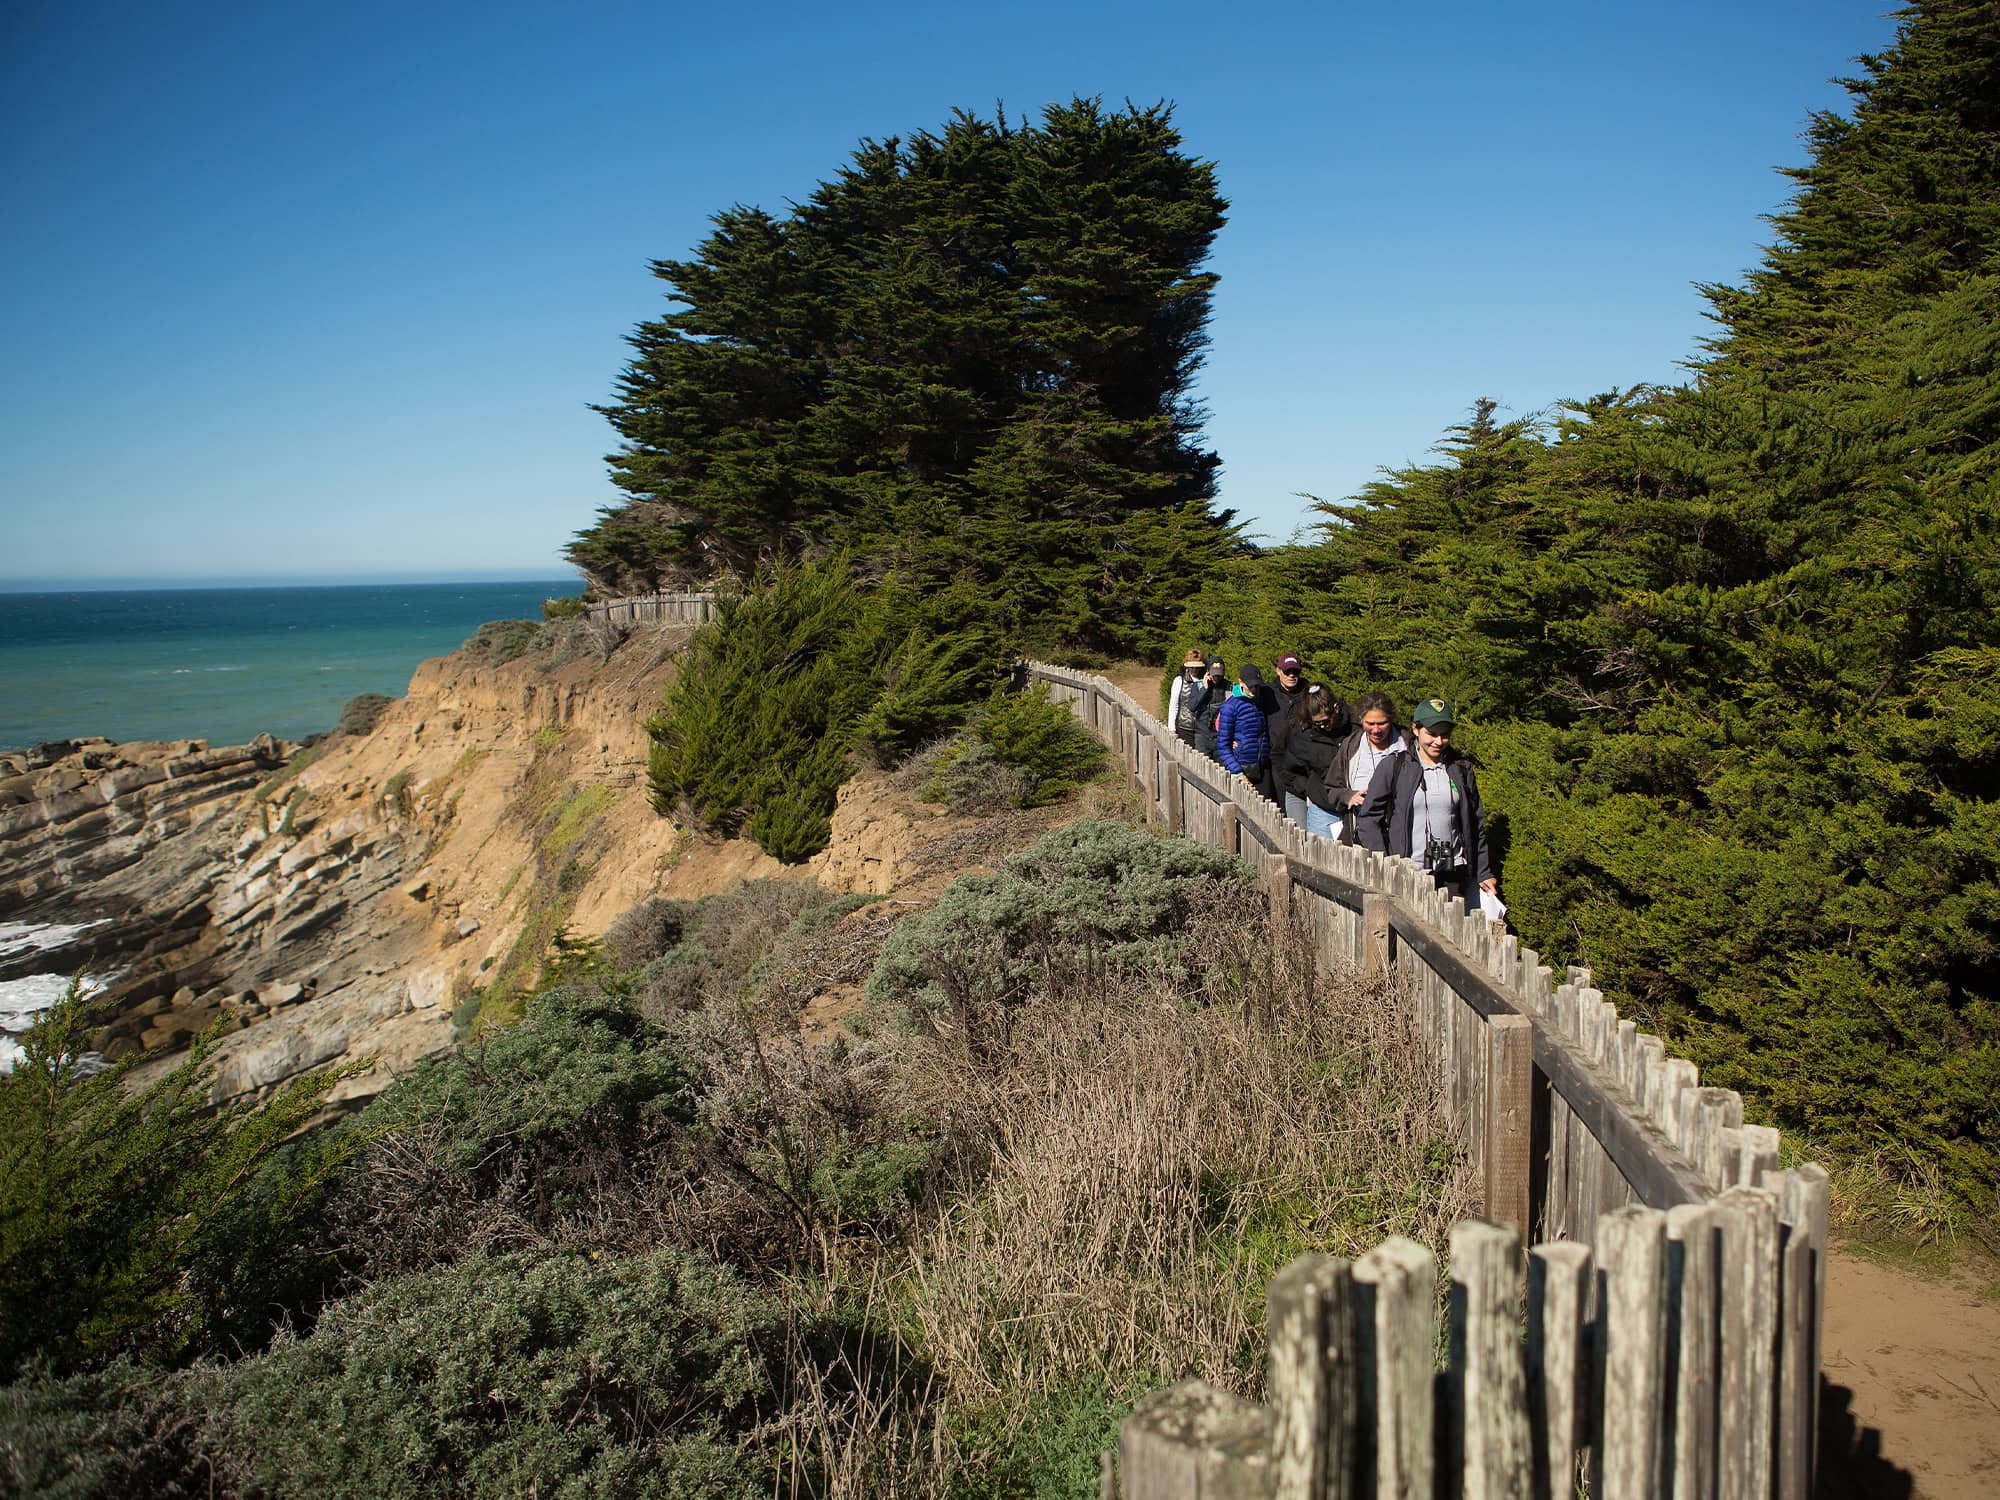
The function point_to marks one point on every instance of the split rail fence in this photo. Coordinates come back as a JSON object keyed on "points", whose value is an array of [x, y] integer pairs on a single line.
{"points": [[1675, 1288]]}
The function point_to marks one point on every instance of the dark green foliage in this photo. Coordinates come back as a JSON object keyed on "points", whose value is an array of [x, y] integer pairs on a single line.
{"points": [[1019, 750], [793, 677], [112, 1198], [1730, 651], [570, 608], [1079, 902], [358, 714], [502, 641], [104, 1435], [1044, 741], [567, 1376], [967, 358]]}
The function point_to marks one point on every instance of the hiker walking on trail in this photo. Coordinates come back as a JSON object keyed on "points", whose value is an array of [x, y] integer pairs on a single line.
{"points": [[1212, 694], [1425, 804], [1373, 738], [1188, 690], [1312, 749], [1286, 694], [1242, 738]]}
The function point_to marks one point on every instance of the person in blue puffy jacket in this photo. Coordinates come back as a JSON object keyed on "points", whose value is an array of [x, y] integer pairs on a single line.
{"points": [[1242, 739]]}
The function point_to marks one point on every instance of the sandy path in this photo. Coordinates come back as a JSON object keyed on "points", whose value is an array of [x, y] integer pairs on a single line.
{"points": [[1912, 1381]]}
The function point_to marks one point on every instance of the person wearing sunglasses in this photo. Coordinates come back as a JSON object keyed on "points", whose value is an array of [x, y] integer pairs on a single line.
{"points": [[1425, 804], [1312, 748]]}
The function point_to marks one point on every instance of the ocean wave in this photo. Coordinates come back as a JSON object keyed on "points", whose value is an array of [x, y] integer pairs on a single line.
{"points": [[21, 1000], [81, 1066], [27, 937]]}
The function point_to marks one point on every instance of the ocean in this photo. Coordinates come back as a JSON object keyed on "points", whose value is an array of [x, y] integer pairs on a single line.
{"points": [[225, 665]]}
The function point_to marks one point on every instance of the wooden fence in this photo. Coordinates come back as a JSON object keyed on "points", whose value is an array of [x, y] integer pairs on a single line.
{"points": [[1674, 1293], [647, 609]]}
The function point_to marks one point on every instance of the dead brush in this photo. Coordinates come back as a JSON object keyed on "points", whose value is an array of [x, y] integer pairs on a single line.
{"points": [[1159, 1148]]}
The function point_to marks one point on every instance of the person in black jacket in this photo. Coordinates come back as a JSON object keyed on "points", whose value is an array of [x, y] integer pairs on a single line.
{"points": [[1425, 804], [1280, 702], [1312, 743], [1214, 688], [1372, 738]]}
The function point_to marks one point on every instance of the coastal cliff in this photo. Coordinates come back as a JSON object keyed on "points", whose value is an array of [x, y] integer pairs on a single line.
{"points": [[373, 895]]}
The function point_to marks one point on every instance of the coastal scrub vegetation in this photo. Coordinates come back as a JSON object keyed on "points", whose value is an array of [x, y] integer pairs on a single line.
{"points": [[649, 1241], [1731, 651], [793, 677]]}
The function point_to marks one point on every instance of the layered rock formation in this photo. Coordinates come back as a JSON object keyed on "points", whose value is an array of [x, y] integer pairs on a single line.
{"points": [[344, 901]]}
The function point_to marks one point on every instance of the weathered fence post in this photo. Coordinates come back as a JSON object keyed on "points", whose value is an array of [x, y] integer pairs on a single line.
{"points": [[1510, 1089], [1395, 1319], [1693, 1237], [1311, 1380], [1494, 1450], [1631, 1351], [1374, 934], [1749, 1340], [1190, 1441], [1558, 1365], [1227, 839], [1278, 890]]}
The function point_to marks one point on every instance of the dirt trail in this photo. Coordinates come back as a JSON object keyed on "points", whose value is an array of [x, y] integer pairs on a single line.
{"points": [[1911, 1365]]}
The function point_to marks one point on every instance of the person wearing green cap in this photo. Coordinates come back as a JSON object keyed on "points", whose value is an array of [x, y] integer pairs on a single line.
{"points": [[1426, 805]]}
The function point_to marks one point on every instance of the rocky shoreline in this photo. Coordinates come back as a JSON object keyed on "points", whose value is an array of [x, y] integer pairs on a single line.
{"points": [[339, 902]]}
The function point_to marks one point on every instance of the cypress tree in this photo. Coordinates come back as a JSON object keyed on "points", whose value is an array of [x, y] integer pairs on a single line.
{"points": [[966, 359], [1731, 651]]}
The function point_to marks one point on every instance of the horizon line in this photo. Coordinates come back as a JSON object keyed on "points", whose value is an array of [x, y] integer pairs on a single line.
{"points": [[109, 583]]}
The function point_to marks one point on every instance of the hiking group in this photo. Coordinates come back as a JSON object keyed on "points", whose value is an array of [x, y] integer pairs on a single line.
{"points": [[1351, 775]]}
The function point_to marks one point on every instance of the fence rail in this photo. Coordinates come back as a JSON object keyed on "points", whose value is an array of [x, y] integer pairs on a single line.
{"points": [[1676, 1285]]}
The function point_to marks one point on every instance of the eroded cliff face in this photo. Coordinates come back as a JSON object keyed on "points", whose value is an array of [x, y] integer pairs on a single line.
{"points": [[345, 905]]}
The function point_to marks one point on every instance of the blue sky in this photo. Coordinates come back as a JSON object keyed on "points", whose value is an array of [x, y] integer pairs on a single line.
{"points": [[294, 291]]}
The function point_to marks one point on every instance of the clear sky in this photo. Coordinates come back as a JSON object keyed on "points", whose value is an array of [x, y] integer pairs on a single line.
{"points": [[292, 291]]}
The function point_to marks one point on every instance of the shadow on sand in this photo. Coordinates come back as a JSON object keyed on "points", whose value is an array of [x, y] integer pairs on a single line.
{"points": [[1851, 1465]]}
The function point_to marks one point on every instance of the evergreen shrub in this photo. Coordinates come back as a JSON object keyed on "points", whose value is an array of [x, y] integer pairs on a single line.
{"points": [[565, 1376], [502, 641], [791, 680], [1018, 750], [1080, 903], [113, 1196]]}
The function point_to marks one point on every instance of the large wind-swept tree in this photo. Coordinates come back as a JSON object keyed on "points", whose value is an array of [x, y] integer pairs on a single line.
{"points": [[966, 358]]}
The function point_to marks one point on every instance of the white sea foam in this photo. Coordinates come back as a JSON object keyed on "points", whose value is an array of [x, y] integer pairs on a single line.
{"points": [[85, 1063], [24, 937], [21, 1000]]}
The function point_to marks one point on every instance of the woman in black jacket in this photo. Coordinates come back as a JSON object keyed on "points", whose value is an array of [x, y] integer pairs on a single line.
{"points": [[1372, 738], [1318, 729]]}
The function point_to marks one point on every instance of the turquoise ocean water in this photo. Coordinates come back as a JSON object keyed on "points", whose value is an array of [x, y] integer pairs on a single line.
{"points": [[225, 665]]}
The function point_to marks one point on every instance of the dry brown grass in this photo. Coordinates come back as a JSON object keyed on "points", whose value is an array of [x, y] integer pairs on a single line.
{"points": [[1153, 1161]]}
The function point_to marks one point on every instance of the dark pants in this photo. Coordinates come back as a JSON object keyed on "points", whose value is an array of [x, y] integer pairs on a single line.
{"points": [[1457, 882]]}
